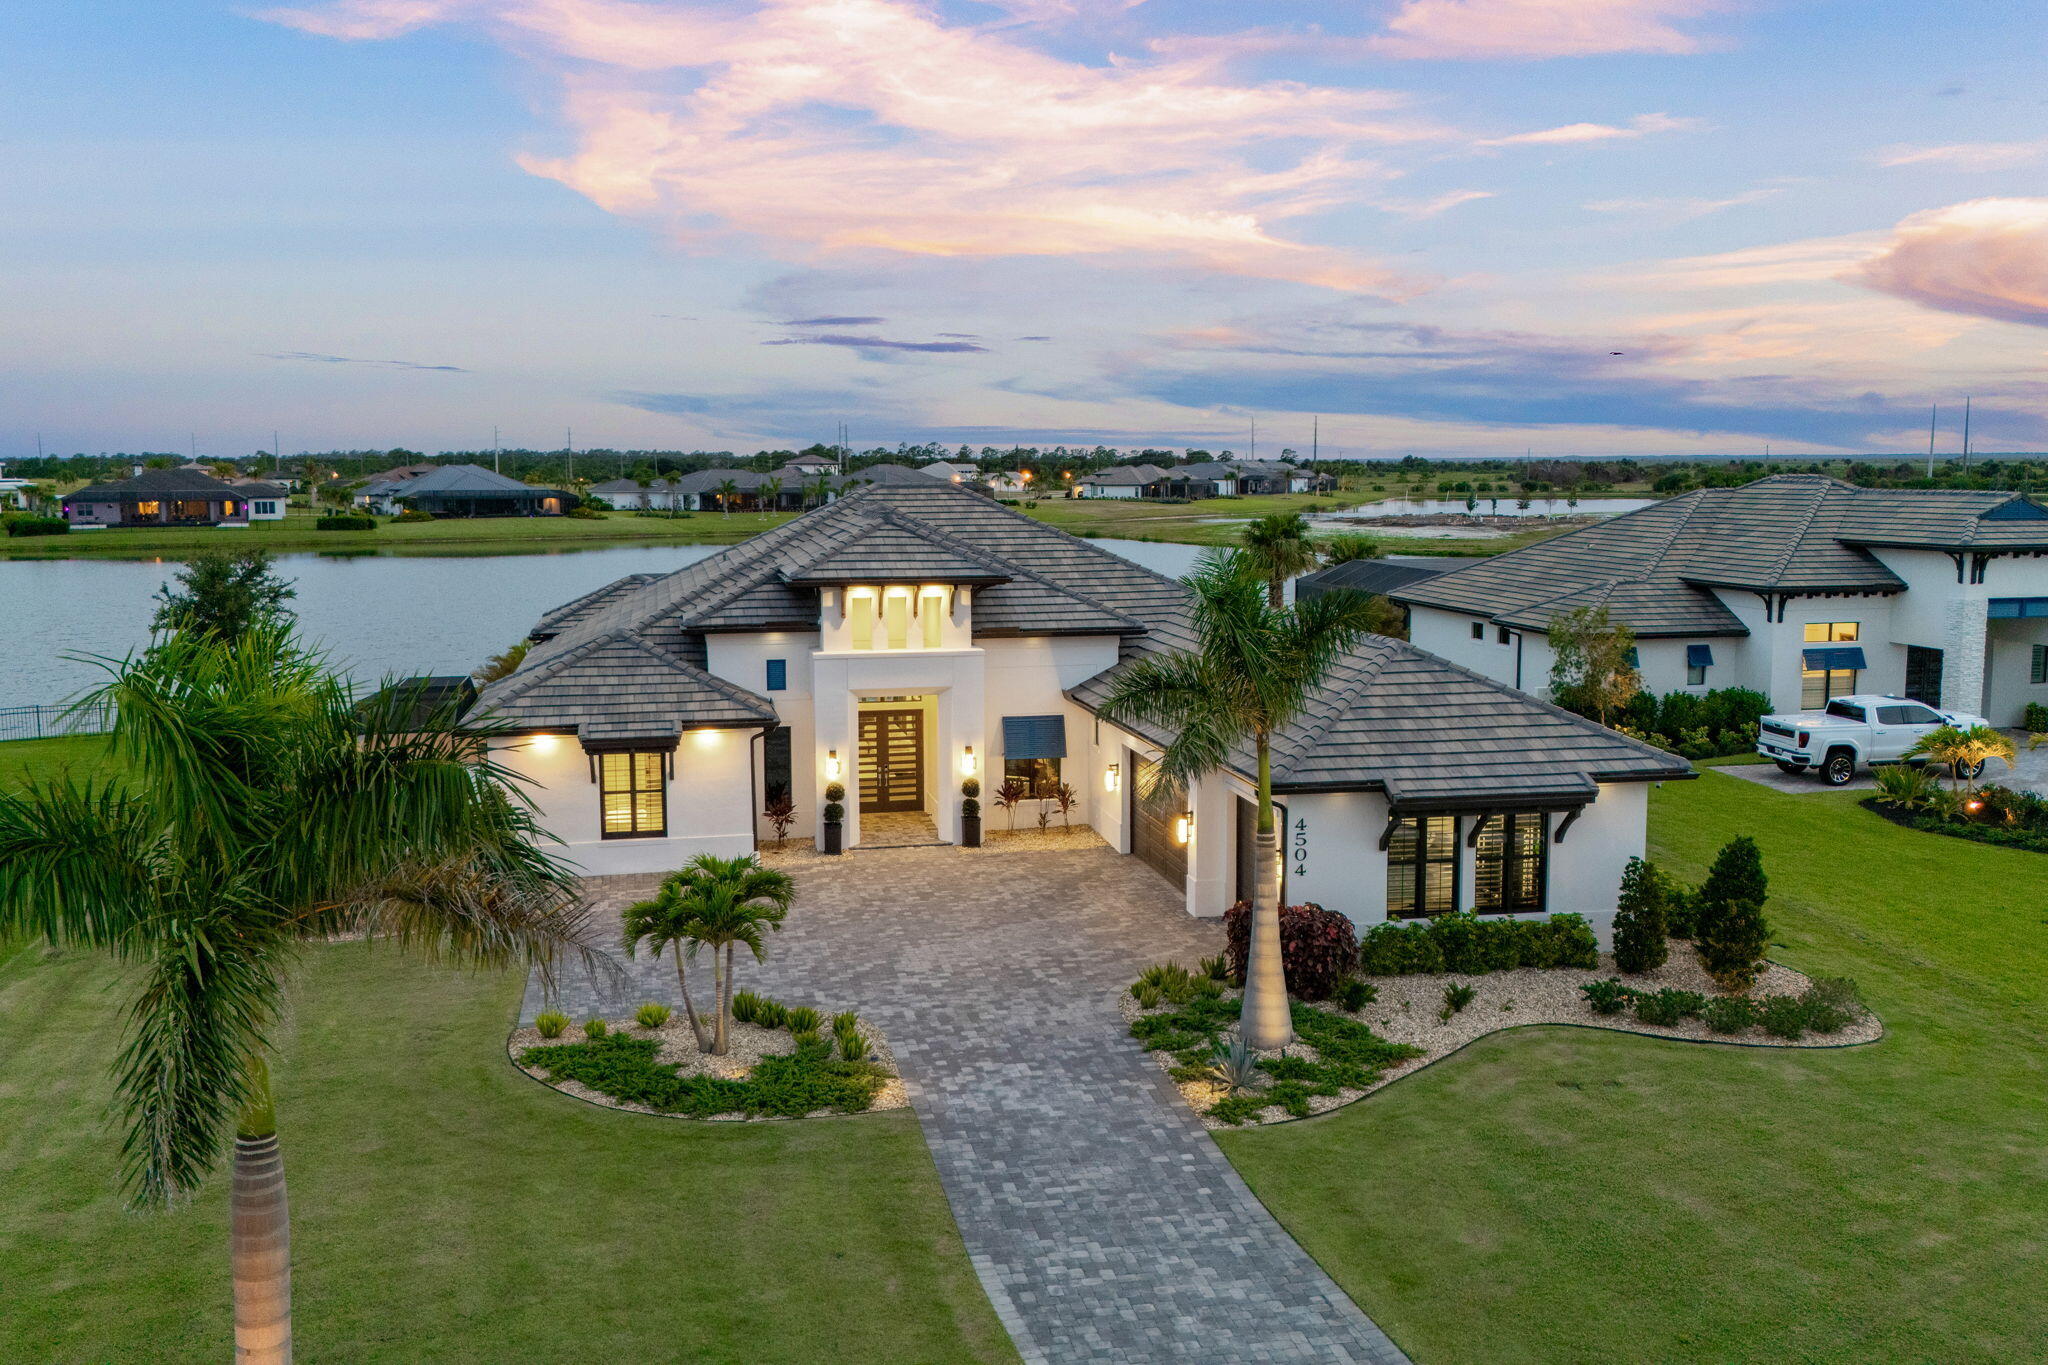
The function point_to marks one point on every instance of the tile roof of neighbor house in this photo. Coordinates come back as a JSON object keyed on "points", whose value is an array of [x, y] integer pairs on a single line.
{"points": [[626, 661], [159, 483], [1122, 476], [1790, 533], [465, 478], [1377, 576], [1203, 469], [401, 473], [260, 488]]}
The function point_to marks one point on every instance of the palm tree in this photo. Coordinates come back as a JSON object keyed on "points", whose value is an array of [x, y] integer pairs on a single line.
{"points": [[1964, 752], [664, 923], [821, 489], [727, 490], [770, 494], [1255, 666], [1278, 548], [263, 808], [724, 902]]}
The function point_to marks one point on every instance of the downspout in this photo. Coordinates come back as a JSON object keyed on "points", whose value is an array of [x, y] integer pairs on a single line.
{"points": [[1519, 637]]}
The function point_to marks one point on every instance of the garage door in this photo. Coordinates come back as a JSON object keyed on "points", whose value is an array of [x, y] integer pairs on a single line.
{"points": [[1152, 821]]}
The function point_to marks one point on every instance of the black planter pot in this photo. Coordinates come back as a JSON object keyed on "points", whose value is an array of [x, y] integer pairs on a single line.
{"points": [[833, 830], [970, 831]]}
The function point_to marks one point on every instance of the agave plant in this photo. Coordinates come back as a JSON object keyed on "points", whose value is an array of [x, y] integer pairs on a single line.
{"points": [[1233, 1064]]}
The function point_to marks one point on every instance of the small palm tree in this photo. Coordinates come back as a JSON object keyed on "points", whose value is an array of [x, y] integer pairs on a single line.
{"points": [[728, 902], [770, 494], [1255, 667], [727, 490], [263, 808], [1964, 752], [663, 924], [821, 489], [1278, 548]]}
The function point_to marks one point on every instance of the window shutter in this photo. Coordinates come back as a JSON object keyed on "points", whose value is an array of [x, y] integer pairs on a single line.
{"points": [[778, 675], [1836, 659], [1699, 656], [1034, 737]]}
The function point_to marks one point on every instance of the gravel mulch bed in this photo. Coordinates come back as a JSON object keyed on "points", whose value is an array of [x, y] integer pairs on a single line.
{"points": [[747, 1044], [1408, 1010]]}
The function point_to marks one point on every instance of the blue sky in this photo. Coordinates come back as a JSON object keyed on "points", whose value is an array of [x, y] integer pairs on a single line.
{"points": [[1448, 226]]}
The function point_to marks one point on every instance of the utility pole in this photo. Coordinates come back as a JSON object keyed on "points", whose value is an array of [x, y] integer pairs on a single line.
{"points": [[276, 455], [1933, 411], [1966, 435], [192, 444], [1315, 449], [497, 457], [1255, 439], [569, 448], [39, 445]]}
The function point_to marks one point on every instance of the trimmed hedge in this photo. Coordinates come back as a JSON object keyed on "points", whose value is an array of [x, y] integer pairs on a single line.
{"points": [[1318, 947], [37, 526], [1470, 946], [346, 521]]}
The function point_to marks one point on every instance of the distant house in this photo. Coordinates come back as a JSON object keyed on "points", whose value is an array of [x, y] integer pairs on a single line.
{"points": [[1206, 479], [160, 497], [16, 492], [465, 490], [1124, 481], [267, 500], [952, 473], [811, 466], [404, 473]]}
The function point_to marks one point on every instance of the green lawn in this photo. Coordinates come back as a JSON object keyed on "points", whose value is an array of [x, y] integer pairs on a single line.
{"points": [[446, 1208], [1219, 521], [81, 755], [1564, 1195]]}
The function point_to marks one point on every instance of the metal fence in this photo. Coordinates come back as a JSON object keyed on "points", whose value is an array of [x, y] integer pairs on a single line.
{"points": [[50, 722]]}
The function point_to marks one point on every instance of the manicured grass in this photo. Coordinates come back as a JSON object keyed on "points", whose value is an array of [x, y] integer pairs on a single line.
{"points": [[447, 1208], [464, 535], [81, 755], [1555, 1194]]}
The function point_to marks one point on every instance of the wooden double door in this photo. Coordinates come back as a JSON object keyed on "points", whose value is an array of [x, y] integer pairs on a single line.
{"points": [[891, 761]]}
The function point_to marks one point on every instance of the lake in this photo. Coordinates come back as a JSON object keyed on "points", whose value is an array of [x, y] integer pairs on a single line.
{"points": [[374, 614]]}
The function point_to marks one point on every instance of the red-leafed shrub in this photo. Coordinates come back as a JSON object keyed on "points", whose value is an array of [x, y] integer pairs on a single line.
{"points": [[1318, 947]]}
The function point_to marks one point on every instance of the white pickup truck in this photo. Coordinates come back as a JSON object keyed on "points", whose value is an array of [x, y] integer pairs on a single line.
{"points": [[1853, 732]]}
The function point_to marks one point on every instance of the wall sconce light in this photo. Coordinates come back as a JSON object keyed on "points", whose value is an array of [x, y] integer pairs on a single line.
{"points": [[967, 761], [1111, 776], [543, 744], [832, 772], [1184, 827]]}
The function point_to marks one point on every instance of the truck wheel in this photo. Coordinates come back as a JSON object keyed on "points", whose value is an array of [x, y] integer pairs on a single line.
{"points": [[1785, 767], [1839, 768], [1970, 772]]}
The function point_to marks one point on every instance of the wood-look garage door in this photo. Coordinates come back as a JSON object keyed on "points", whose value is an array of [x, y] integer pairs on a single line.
{"points": [[1152, 821]]}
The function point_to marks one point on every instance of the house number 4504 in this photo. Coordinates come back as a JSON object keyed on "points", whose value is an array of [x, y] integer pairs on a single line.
{"points": [[1298, 848]]}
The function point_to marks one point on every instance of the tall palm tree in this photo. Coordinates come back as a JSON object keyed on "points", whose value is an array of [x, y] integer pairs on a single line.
{"points": [[770, 494], [1255, 666], [727, 490], [262, 808], [1279, 548], [722, 903], [821, 489], [663, 923]]}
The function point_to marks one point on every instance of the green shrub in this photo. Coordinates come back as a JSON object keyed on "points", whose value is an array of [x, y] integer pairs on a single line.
{"points": [[1457, 937], [1471, 946], [1170, 979], [852, 1046], [1456, 997], [806, 1037], [1681, 907], [38, 526], [550, 1023], [804, 1019], [345, 521], [1608, 996], [595, 1028], [770, 1013], [412, 516], [1782, 1016], [1215, 968], [1392, 949], [1729, 1013], [786, 1086], [2036, 721], [1574, 944], [583, 511], [1641, 934], [969, 807], [651, 1015], [1146, 994], [1831, 1004], [971, 787], [1737, 875], [1732, 947], [844, 1020], [746, 1007], [835, 791], [1497, 945], [1206, 985], [1354, 995], [1668, 1007]]}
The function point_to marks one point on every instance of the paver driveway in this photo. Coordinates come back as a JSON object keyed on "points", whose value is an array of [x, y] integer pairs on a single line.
{"points": [[1104, 1223]]}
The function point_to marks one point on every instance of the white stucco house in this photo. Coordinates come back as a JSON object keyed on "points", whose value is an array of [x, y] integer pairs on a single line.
{"points": [[909, 636], [1798, 586]]}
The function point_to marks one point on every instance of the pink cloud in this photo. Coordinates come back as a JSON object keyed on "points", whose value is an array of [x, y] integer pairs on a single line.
{"points": [[831, 126], [1968, 156], [1985, 258], [1641, 126], [1525, 29]]}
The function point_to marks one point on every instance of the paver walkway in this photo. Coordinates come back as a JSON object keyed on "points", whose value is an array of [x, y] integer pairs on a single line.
{"points": [[1103, 1221]]}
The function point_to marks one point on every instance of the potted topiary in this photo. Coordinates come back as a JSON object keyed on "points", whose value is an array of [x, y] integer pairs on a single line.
{"points": [[970, 813], [835, 816]]}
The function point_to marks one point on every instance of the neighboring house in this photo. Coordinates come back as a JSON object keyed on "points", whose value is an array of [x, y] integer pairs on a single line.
{"points": [[1799, 586], [1123, 481], [1264, 476], [159, 497], [404, 473], [1373, 577], [15, 493], [466, 490], [630, 495], [811, 466], [910, 636], [952, 473], [1206, 479], [267, 500]]}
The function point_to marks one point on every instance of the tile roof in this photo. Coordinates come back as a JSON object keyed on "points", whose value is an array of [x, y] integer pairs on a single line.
{"points": [[1790, 533], [1378, 576], [465, 478], [159, 483], [895, 549]]}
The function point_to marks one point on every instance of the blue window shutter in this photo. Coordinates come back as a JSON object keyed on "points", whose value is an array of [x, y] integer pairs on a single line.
{"points": [[1699, 656], [1034, 736], [778, 675], [1635, 658], [1837, 658]]}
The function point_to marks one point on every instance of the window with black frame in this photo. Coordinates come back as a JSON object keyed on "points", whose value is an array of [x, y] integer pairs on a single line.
{"points": [[1040, 776], [633, 794], [776, 770], [1422, 867], [1510, 863]]}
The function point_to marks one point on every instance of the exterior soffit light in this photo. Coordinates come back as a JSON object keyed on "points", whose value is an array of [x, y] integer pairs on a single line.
{"points": [[1184, 827], [543, 744], [967, 760], [832, 764], [1111, 776]]}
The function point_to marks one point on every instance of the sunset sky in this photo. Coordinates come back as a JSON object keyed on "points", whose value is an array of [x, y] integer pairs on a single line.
{"points": [[1447, 226]]}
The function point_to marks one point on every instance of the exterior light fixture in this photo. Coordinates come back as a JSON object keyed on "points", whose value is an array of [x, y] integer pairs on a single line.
{"points": [[1111, 776], [1184, 827], [967, 761], [1973, 805], [543, 744], [832, 772]]}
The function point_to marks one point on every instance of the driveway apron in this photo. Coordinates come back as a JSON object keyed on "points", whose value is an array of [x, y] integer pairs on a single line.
{"points": [[1103, 1221]]}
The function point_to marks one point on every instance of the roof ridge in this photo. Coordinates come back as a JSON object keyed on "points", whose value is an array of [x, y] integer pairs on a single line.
{"points": [[1330, 705]]}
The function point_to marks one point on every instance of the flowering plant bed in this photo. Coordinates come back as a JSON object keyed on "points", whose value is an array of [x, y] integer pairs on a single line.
{"points": [[1372, 1032], [766, 1073]]}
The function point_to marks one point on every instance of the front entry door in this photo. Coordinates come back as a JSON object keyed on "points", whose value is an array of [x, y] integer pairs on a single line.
{"points": [[891, 761]]}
